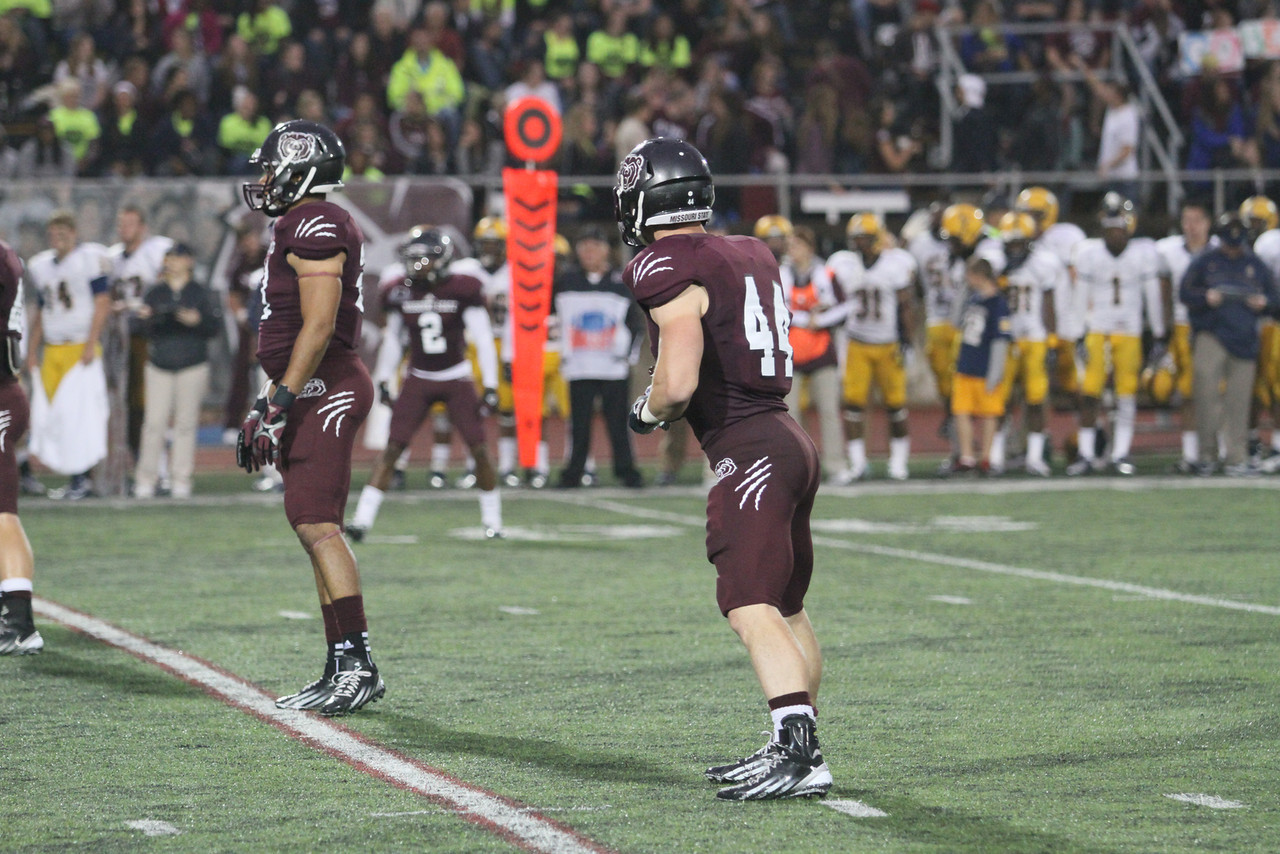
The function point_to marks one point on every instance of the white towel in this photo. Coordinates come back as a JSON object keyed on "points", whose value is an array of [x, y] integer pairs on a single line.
{"points": [[69, 435]]}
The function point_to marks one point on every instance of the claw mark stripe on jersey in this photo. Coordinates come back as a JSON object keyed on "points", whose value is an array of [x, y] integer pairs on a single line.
{"points": [[340, 403], [754, 482], [649, 265], [315, 227], [6, 418]]}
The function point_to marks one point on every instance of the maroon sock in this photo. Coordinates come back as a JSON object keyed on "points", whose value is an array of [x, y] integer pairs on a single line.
{"points": [[348, 612], [799, 698], [332, 634]]}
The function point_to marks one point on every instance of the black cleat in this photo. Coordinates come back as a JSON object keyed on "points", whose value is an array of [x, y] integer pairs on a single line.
{"points": [[19, 641], [356, 533], [311, 696], [791, 768], [354, 685], [31, 485], [397, 481], [437, 480], [740, 769]]}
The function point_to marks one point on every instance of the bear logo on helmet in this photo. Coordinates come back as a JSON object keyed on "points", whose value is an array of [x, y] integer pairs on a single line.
{"points": [[629, 172], [296, 147]]}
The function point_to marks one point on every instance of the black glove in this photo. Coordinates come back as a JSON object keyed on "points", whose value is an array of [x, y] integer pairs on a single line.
{"points": [[384, 395], [638, 424], [488, 402], [266, 439], [244, 442], [1159, 349]]}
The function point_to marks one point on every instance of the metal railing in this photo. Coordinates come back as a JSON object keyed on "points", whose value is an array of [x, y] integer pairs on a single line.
{"points": [[1161, 139]]}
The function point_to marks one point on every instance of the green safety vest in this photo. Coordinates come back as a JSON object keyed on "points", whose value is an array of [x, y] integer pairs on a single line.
{"points": [[264, 30], [79, 127], [677, 55], [241, 137], [562, 56], [612, 53]]}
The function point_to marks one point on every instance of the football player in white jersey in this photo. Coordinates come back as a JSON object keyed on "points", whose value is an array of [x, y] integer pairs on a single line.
{"points": [[1118, 277], [1060, 238], [136, 262], [1261, 217], [932, 253], [73, 301], [878, 280], [1031, 276], [1171, 372]]}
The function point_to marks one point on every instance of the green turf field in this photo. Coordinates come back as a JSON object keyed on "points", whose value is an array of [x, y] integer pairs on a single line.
{"points": [[991, 683]]}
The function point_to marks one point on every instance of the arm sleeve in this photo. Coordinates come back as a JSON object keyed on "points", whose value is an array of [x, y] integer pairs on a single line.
{"points": [[1192, 289], [480, 331], [1154, 302], [391, 350]]}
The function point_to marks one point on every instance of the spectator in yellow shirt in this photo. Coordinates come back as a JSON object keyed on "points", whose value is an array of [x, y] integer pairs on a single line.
{"points": [[427, 71]]}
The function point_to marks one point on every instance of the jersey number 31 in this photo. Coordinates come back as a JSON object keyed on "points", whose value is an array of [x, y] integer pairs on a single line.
{"points": [[761, 335]]}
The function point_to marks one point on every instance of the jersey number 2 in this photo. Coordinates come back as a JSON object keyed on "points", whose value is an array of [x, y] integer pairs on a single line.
{"points": [[431, 327], [760, 335]]}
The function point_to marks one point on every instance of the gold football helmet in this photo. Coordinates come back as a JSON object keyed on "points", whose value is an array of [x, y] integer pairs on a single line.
{"points": [[1259, 214], [962, 223], [490, 236], [773, 225], [1041, 203], [1015, 226]]}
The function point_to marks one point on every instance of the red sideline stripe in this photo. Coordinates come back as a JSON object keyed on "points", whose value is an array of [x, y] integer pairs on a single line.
{"points": [[503, 817]]}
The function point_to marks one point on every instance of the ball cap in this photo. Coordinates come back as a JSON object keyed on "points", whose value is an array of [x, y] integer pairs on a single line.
{"points": [[1232, 230]]}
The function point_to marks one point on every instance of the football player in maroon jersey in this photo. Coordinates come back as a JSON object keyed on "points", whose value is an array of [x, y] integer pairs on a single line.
{"points": [[718, 326], [436, 311], [18, 635], [319, 392]]}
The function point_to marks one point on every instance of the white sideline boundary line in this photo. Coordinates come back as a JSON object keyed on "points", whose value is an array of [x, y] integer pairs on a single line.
{"points": [[953, 561], [512, 821]]}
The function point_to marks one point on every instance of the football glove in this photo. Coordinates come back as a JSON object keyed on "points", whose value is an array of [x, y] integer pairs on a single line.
{"points": [[636, 421], [1159, 349], [266, 438], [244, 441], [488, 402], [384, 395]]}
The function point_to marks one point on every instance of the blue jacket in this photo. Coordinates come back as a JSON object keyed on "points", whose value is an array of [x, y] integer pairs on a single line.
{"points": [[1232, 322]]}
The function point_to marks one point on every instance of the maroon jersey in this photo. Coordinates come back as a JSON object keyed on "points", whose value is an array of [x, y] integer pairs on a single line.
{"points": [[746, 360], [315, 231], [11, 312], [433, 319]]}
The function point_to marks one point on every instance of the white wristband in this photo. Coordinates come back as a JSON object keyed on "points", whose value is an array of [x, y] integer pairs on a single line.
{"points": [[647, 416]]}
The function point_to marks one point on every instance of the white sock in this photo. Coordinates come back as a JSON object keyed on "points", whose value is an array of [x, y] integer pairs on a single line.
{"points": [[1086, 439], [440, 456], [786, 712], [15, 585], [1126, 415], [857, 454], [899, 450], [1035, 447], [402, 461], [491, 509], [1191, 445], [996, 456], [543, 462], [367, 507], [506, 454]]}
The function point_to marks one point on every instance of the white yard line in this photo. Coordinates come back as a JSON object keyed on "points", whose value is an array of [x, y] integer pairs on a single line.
{"points": [[857, 809], [948, 560], [515, 822], [1210, 801]]}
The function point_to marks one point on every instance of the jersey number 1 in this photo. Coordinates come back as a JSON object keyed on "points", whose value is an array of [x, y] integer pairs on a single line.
{"points": [[760, 335]]}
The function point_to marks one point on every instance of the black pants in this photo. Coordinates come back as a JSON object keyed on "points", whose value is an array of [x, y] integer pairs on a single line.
{"points": [[614, 408]]}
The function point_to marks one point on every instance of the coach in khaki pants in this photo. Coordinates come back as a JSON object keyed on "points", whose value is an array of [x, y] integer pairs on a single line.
{"points": [[1226, 290], [178, 318]]}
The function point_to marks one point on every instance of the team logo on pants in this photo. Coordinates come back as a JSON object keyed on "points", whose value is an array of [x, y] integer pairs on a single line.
{"points": [[315, 387], [335, 411], [753, 482]]}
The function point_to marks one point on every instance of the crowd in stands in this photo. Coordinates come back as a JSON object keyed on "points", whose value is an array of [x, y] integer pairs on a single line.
{"points": [[190, 87]]}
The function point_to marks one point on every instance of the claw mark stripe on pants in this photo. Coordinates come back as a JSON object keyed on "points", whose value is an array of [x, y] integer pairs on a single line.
{"points": [[508, 819]]}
